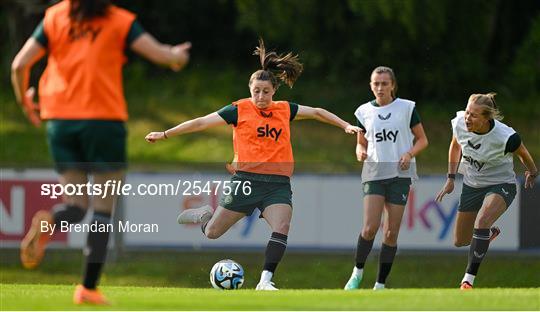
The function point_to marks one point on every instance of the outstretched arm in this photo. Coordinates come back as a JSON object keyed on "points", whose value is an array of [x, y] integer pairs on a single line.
{"points": [[528, 162], [454, 155], [30, 53], [194, 125], [320, 114], [175, 57]]}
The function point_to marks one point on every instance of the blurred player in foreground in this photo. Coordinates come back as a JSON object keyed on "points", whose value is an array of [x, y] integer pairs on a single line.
{"points": [[81, 98]]}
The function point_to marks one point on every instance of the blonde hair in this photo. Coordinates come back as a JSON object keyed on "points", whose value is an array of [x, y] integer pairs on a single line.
{"points": [[390, 72], [276, 67], [489, 106]]}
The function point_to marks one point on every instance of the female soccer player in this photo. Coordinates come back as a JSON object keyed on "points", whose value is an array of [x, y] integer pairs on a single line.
{"points": [[489, 183], [393, 135], [81, 97], [262, 155]]}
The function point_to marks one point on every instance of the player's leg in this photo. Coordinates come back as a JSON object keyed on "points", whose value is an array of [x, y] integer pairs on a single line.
{"points": [[496, 200], [373, 208], [103, 145], [220, 222], [393, 213], [463, 229], [61, 137], [279, 218], [97, 241]]}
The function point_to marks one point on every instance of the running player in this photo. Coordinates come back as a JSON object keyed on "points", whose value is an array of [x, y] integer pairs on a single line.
{"points": [[485, 146], [81, 97], [393, 135], [262, 155]]}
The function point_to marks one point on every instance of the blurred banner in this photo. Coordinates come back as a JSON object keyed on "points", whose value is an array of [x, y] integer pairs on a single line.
{"points": [[327, 212]]}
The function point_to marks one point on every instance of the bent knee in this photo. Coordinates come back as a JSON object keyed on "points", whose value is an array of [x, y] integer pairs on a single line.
{"points": [[212, 233], [459, 243], [368, 233], [391, 236]]}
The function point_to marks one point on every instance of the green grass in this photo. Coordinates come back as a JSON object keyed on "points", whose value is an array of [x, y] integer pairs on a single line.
{"points": [[58, 297], [178, 280]]}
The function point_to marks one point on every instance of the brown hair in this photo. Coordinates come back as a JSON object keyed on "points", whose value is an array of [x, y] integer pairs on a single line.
{"points": [[390, 72], [489, 106], [286, 68], [83, 10]]}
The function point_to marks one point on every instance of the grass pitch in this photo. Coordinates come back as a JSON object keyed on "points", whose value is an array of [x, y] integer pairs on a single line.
{"points": [[58, 297]]}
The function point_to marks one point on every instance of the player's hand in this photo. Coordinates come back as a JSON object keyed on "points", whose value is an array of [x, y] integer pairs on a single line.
{"points": [[31, 108], [352, 129], [153, 137], [361, 155], [405, 161], [181, 55], [447, 189], [529, 179]]}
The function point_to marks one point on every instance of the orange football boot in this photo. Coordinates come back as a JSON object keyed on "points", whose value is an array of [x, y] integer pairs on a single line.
{"points": [[34, 243], [83, 295], [465, 286]]}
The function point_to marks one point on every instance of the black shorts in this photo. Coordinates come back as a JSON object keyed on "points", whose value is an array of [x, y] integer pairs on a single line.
{"points": [[88, 145], [261, 195], [472, 198]]}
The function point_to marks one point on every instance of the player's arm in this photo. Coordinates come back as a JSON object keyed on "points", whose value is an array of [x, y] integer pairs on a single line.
{"points": [[194, 125], [30, 53], [175, 57], [361, 146], [322, 115], [454, 156], [526, 159]]}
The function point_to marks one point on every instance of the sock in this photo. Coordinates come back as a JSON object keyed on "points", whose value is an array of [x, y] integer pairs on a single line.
{"points": [[478, 249], [95, 251], [357, 272], [69, 213], [386, 259], [469, 278], [363, 249], [266, 276], [274, 251]]}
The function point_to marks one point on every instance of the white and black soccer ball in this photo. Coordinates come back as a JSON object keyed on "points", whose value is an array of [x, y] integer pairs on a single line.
{"points": [[227, 274]]}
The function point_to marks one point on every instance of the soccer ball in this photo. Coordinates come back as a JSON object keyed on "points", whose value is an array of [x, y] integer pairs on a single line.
{"points": [[227, 274]]}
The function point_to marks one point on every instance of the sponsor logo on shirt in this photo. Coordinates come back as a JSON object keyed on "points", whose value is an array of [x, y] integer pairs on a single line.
{"points": [[268, 132], [385, 135]]}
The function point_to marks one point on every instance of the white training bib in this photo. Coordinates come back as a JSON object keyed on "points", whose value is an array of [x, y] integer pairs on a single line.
{"points": [[483, 161], [389, 136]]}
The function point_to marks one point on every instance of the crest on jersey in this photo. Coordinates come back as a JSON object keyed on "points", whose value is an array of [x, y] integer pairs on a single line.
{"points": [[385, 117], [477, 146]]}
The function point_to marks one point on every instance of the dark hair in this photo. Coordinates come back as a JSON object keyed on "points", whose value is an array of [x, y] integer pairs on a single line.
{"points": [[276, 67], [83, 10], [390, 72]]}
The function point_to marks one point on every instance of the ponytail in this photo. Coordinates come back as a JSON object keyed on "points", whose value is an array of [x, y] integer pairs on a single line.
{"points": [[286, 68]]}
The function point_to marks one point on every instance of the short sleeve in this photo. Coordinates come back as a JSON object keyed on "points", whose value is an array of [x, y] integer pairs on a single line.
{"points": [[135, 31], [229, 113], [415, 118], [39, 35], [513, 143], [360, 125], [294, 110]]}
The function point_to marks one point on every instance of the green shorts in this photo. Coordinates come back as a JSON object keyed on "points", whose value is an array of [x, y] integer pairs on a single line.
{"points": [[394, 190], [88, 145], [261, 194], [472, 198]]}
